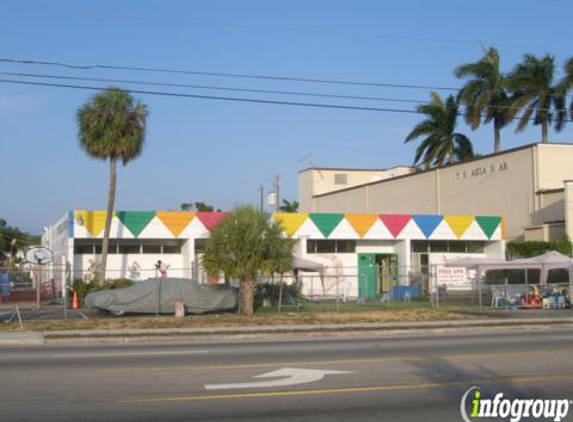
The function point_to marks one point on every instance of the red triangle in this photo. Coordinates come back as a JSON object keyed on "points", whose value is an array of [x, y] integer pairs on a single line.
{"points": [[395, 223], [211, 219]]}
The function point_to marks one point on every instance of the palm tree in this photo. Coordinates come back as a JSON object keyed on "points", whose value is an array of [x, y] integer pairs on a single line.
{"points": [[245, 245], [534, 93], [442, 144], [484, 94], [564, 86], [111, 127], [288, 206]]}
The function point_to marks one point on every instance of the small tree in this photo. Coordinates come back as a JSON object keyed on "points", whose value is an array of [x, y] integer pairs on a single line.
{"points": [[245, 245]]}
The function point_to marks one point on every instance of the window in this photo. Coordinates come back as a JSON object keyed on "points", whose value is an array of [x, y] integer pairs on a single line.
{"points": [[171, 246], [419, 246], [476, 247], [457, 246], [345, 246], [200, 245], [326, 246], [340, 178], [451, 246], [130, 247], [330, 246], [83, 248], [151, 249], [439, 246], [112, 247]]}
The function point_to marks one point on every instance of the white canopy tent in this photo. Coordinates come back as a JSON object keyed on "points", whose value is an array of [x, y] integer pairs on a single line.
{"points": [[548, 261]]}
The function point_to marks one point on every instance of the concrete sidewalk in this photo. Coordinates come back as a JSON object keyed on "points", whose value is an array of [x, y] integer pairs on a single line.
{"points": [[262, 331]]}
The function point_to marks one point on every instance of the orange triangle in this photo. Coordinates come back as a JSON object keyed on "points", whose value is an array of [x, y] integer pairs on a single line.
{"points": [[290, 222], [459, 223], [361, 222], [175, 221]]}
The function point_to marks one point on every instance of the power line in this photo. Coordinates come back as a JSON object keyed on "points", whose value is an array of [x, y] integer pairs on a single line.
{"points": [[219, 88], [284, 29], [238, 99], [250, 90], [230, 75], [221, 74], [211, 97]]}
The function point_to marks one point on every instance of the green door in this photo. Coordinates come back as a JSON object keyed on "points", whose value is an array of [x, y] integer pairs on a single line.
{"points": [[367, 276]]}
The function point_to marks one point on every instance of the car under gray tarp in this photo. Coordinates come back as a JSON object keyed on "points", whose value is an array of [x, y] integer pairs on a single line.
{"points": [[157, 295]]}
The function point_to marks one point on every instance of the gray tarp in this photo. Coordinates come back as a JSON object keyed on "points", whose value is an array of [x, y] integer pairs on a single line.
{"points": [[144, 297]]}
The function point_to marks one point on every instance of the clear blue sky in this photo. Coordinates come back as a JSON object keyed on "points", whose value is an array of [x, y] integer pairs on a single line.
{"points": [[220, 152]]}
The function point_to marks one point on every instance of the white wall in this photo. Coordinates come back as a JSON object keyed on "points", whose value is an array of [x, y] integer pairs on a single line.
{"points": [[122, 265]]}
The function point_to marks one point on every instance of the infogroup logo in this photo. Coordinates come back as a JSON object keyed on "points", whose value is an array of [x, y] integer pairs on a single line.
{"points": [[513, 410]]}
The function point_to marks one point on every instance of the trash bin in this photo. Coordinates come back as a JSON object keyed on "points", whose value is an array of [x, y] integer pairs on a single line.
{"points": [[4, 285]]}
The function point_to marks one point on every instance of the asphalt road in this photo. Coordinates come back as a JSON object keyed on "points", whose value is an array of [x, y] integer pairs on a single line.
{"points": [[390, 378]]}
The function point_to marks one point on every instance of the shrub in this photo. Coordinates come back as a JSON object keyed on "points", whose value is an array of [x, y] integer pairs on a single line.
{"points": [[83, 289], [534, 248], [271, 291]]}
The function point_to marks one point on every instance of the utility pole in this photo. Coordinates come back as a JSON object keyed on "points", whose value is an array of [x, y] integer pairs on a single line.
{"points": [[277, 190], [261, 198]]}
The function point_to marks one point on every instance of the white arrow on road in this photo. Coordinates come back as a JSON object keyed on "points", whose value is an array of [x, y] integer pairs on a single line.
{"points": [[291, 376]]}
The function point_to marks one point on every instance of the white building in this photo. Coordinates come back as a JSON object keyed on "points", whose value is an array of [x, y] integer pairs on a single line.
{"points": [[353, 247]]}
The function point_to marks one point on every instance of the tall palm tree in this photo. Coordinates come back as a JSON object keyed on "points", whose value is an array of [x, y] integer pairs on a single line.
{"points": [[441, 144], [535, 95], [112, 127], [484, 94], [563, 87]]}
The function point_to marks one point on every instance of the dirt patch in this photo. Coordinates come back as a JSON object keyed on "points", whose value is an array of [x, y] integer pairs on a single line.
{"points": [[406, 315]]}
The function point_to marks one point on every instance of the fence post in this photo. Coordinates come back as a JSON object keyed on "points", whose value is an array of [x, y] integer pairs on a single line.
{"points": [[570, 287], [280, 293], [479, 280], [433, 275], [337, 294]]}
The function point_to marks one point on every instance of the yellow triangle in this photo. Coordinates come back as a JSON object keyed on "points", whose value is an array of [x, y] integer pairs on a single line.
{"points": [[290, 222], [361, 222], [93, 221], [459, 223]]}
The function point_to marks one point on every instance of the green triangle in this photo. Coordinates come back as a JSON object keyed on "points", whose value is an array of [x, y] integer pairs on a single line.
{"points": [[135, 221], [326, 223], [488, 224]]}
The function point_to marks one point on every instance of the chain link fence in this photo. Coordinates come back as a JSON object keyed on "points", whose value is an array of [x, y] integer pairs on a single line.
{"points": [[334, 289]]}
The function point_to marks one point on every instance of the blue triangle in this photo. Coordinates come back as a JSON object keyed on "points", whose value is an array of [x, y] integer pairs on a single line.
{"points": [[428, 223]]}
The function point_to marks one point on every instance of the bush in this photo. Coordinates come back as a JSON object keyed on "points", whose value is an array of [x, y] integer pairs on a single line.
{"points": [[535, 248], [83, 289], [271, 291]]}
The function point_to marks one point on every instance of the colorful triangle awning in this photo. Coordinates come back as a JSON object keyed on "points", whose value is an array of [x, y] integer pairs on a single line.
{"points": [[395, 223]]}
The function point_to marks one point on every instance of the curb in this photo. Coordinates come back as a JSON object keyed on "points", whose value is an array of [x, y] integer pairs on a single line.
{"points": [[261, 332]]}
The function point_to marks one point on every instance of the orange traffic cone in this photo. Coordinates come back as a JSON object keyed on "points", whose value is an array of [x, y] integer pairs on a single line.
{"points": [[75, 300]]}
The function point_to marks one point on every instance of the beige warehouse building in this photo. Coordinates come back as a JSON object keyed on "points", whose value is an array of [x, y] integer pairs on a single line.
{"points": [[531, 187]]}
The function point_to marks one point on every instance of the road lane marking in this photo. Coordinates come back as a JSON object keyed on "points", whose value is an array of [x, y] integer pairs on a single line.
{"points": [[336, 362], [382, 388], [126, 354], [294, 376]]}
